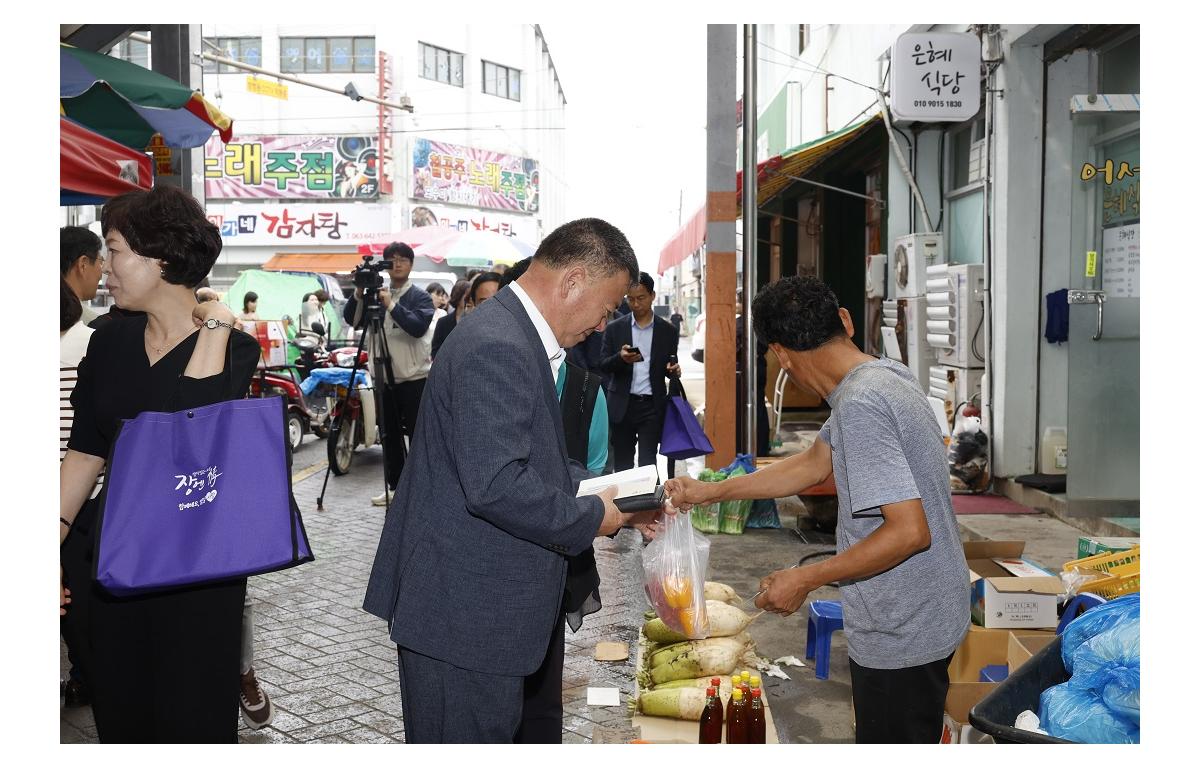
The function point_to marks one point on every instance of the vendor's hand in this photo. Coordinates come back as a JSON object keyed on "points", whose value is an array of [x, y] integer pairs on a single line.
{"points": [[648, 531], [358, 293], [64, 594], [629, 358], [212, 309], [385, 298], [784, 591], [673, 369], [614, 519], [685, 492]]}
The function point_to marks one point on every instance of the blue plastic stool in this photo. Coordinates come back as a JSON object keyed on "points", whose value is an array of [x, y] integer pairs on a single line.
{"points": [[1076, 606], [824, 618]]}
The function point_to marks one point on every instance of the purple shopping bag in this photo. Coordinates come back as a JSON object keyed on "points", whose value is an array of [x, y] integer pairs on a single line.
{"points": [[198, 496], [682, 437]]}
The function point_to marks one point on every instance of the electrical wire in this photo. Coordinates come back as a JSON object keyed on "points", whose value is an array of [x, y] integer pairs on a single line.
{"points": [[942, 182]]}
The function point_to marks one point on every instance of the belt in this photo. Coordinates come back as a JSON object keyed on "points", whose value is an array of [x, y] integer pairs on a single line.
{"points": [[641, 397]]}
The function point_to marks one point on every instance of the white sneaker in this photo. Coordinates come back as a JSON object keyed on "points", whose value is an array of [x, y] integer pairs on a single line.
{"points": [[381, 500]]}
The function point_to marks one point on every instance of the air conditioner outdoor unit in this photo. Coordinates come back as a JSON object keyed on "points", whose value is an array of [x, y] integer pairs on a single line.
{"points": [[911, 256]]}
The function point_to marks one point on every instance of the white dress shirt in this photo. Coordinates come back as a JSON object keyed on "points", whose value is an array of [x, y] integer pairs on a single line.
{"points": [[554, 353]]}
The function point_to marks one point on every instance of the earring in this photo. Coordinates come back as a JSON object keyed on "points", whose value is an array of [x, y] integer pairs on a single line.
{"points": [[162, 273]]}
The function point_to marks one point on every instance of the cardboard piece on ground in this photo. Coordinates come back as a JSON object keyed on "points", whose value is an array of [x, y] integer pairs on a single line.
{"points": [[1002, 601], [609, 651], [604, 697]]}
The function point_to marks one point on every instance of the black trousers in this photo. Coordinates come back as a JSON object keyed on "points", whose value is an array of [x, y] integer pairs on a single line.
{"points": [[542, 710], [899, 706], [641, 427], [401, 404], [445, 704]]}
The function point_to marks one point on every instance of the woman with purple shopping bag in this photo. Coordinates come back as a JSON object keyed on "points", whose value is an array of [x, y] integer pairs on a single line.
{"points": [[164, 664]]}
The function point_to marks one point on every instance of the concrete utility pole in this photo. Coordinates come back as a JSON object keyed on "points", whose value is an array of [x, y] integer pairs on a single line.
{"points": [[720, 268], [749, 232]]}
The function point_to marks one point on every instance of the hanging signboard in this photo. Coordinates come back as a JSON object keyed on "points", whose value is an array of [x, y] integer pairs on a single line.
{"points": [[291, 167], [523, 228], [935, 77], [300, 223], [448, 173]]}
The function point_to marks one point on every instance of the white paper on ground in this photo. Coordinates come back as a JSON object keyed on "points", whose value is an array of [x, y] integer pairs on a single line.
{"points": [[604, 697], [791, 661], [772, 670]]}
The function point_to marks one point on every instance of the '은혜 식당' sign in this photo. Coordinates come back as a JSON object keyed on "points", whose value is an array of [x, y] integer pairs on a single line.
{"points": [[935, 77]]}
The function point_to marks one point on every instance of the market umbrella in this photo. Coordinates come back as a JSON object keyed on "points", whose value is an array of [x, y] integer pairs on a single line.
{"points": [[476, 248], [93, 168], [412, 236], [129, 104]]}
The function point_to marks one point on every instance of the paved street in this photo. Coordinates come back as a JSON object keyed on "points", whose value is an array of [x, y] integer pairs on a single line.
{"points": [[329, 667]]}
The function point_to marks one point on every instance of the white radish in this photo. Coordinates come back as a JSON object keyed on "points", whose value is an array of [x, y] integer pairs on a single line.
{"points": [[711, 657], [715, 590], [679, 703], [725, 620]]}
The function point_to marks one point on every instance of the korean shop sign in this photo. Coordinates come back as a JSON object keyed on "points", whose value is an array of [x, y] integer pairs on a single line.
{"points": [[935, 77], [291, 167], [480, 178]]}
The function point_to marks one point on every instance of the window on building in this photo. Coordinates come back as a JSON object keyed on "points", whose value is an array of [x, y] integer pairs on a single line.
{"points": [[502, 81], [802, 34], [327, 54], [440, 64], [132, 51], [247, 50], [964, 200]]}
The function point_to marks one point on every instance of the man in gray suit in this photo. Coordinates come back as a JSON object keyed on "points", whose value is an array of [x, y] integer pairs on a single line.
{"points": [[472, 561]]}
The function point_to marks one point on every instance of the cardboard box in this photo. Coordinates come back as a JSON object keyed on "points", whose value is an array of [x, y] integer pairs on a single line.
{"points": [[980, 648], [1090, 545], [1000, 600], [1023, 645]]}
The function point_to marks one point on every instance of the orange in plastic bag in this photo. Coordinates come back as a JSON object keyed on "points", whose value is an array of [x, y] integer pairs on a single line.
{"points": [[674, 565]]}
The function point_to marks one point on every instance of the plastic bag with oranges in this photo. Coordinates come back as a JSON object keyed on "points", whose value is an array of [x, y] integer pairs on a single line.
{"points": [[675, 564]]}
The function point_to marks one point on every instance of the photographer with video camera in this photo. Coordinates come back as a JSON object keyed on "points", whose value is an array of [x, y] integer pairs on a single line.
{"points": [[408, 337]]}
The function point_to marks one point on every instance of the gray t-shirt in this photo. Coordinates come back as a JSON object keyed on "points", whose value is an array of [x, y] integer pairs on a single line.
{"points": [[887, 448]]}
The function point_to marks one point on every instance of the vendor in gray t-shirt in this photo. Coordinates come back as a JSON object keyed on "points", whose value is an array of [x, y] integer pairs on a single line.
{"points": [[900, 566]]}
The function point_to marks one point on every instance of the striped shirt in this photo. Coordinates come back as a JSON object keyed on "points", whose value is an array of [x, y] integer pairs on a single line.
{"points": [[72, 346]]}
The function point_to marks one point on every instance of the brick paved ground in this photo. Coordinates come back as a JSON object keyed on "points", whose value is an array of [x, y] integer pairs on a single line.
{"points": [[331, 670]]}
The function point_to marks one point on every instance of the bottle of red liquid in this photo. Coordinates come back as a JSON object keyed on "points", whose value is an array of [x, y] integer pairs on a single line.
{"points": [[757, 721], [712, 719], [736, 683], [737, 723]]}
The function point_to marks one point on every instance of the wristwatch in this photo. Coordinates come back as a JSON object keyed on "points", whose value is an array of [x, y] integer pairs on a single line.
{"points": [[213, 324]]}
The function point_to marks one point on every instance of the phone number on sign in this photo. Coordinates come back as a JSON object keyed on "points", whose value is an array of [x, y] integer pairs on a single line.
{"points": [[936, 103]]}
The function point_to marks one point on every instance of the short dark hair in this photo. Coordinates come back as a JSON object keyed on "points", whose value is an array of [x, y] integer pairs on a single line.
{"points": [[593, 243], [249, 297], [168, 224], [459, 292], [74, 242], [433, 288], [474, 273], [321, 295], [480, 279], [70, 310], [800, 313], [516, 270], [398, 251], [644, 280]]}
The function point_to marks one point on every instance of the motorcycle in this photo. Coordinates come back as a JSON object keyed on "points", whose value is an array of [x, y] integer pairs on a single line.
{"points": [[352, 417]]}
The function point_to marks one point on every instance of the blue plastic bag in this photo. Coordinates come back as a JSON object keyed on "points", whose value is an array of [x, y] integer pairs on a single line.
{"points": [[1096, 620], [1123, 694], [1078, 714]]}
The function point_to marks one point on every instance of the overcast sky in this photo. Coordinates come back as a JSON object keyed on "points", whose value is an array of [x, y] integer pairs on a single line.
{"points": [[635, 113]]}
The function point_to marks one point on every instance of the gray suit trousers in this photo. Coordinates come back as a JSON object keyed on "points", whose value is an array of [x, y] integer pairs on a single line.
{"points": [[444, 704]]}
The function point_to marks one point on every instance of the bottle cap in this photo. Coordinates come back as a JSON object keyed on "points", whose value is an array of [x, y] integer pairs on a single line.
{"points": [[746, 675], [755, 681], [756, 693], [737, 694], [716, 682], [737, 680], [710, 692]]}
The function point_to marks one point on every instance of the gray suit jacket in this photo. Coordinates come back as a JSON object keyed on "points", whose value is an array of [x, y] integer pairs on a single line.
{"points": [[472, 560]]}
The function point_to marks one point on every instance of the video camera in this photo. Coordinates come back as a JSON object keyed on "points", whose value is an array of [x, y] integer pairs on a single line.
{"points": [[367, 277]]}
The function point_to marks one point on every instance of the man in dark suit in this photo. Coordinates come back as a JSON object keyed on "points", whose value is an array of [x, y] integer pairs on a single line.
{"points": [[472, 560], [637, 389]]}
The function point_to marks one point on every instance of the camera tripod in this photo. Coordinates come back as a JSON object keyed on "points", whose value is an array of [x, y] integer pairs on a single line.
{"points": [[374, 340]]}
